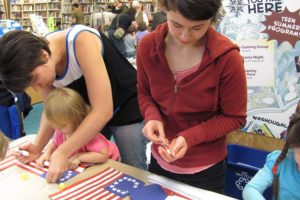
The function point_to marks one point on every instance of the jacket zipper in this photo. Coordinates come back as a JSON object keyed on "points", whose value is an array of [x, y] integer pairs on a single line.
{"points": [[175, 88], [173, 102]]}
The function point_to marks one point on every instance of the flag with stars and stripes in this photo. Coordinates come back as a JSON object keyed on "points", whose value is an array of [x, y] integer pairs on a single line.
{"points": [[32, 167], [124, 185], [42, 171], [109, 184]]}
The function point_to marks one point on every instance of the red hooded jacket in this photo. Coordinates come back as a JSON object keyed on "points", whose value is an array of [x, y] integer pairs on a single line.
{"points": [[205, 106]]}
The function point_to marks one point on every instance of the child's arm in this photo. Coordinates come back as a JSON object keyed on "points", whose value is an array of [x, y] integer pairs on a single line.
{"points": [[258, 184], [46, 155], [89, 157], [262, 179]]}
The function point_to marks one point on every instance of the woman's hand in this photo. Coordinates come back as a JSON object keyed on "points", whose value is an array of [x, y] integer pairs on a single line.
{"points": [[174, 151], [58, 165], [154, 131], [33, 153]]}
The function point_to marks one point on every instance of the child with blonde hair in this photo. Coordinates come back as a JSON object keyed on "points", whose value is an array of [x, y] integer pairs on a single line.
{"points": [[282, 169], [3, 145], [65, 109]]}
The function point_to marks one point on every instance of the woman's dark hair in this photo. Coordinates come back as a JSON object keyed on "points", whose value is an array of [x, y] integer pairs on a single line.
{"points": [[194, 9], [131, 12], [75, 5], [131, 29], [20, 54], [292, 141]]}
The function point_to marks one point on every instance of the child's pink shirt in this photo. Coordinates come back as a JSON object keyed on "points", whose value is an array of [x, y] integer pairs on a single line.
{"points": [[94, 145]]}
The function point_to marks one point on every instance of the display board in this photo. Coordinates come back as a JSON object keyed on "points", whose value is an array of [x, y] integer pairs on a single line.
{"points": [[268, 34]]}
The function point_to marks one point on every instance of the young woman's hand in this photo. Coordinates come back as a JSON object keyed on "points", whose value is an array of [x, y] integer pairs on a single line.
{"points": [[58, 165], [33, 153], [154, 131], [174, 151]]}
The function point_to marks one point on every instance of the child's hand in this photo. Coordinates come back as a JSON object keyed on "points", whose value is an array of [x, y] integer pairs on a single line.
{"points": [[41, 160], [73, 163]]}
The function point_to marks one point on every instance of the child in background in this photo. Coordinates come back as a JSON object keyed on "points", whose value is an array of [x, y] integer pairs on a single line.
{"points": [[142, 31], [65, 109], [282, 168], [130, 42], [3, 145]]}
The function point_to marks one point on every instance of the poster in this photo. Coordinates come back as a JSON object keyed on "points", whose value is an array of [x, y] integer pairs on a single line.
{"points": [[268, 34], [258, 61], [38, 25]]}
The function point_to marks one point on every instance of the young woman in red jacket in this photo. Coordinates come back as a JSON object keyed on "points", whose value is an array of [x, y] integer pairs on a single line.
{"points": [[192, 93]]}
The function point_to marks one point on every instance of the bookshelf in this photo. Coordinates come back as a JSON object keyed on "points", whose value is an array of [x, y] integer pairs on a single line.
{"points": [[21, 9], [93, 6], [2, 9], [61, 10], [87, 8]]}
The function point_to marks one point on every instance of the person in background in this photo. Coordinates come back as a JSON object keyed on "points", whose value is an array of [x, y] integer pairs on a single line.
{"points": [[57, 26], [140, 15], [3, 145], [123, 21], [65, 117], [77, 14], [119, 7], [159, 17], [1, 14], [282, 169], [142, 31], [45, 64], [130, 42], [192, 92]]}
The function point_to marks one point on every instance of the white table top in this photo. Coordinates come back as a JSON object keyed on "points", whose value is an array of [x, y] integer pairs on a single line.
{"points": [[13, 187]]}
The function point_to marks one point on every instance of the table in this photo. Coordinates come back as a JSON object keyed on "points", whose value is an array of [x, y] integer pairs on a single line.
{"points": [[12, 187]]}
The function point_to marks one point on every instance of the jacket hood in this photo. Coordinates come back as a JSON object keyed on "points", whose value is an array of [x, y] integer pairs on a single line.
{"points": [[217, 44]]}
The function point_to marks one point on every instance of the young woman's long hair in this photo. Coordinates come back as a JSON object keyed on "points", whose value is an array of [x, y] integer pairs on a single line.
{"points": [[293, 141]]}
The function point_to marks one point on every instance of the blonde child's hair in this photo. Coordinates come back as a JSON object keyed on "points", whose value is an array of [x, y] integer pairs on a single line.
{"points": [[64, 106], [3, 145]]}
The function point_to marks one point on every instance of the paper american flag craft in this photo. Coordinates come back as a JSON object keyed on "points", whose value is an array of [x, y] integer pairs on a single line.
{"points": [[9, 159], [42, 171], [32, 167], [109, 184]]}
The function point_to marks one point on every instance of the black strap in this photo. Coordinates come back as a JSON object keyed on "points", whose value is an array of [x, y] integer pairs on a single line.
{"points": [[118, 17], [20, 114]]}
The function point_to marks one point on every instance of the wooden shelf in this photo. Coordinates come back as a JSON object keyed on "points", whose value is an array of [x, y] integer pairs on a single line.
{"points": [[44, 8], [91, 7], [61, 10]]}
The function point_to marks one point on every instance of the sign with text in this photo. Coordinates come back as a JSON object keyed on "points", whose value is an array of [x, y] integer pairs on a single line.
{"points": [[259, 61], [268, 34], [284, 26]]}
